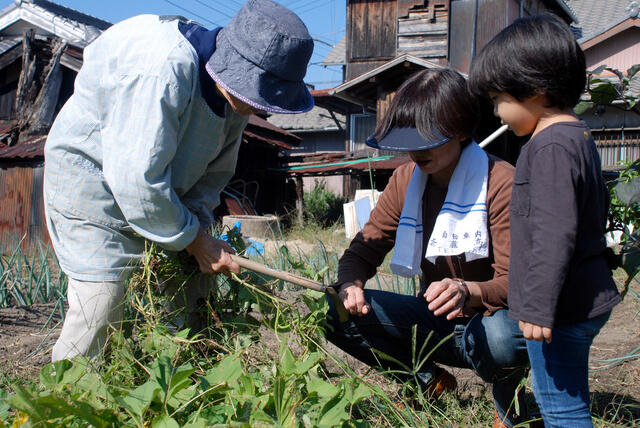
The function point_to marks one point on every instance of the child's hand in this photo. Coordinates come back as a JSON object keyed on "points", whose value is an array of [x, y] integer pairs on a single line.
{"points": [[534, 331]]}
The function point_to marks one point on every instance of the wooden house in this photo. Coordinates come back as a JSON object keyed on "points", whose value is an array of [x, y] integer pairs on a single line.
{"points": [[41, 45], [387, 41]]}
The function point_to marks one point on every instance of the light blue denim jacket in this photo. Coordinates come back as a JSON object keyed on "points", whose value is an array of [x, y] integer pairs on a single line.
{"points": [[136, 153]]}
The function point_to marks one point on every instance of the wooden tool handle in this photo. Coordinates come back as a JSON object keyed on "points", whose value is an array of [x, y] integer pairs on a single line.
{"points": [[254, 266], [278, 274]]}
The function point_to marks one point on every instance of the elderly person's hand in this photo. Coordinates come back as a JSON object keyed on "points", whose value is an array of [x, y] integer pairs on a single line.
{"points": [[447, 297], [352, 295], [212, 254]]}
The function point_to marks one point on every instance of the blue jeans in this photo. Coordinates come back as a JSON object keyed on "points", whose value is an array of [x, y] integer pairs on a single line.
{"points": [[492, 346], [560, 377]]}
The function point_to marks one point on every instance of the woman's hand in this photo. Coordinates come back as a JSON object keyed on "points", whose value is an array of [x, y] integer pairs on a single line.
{"points": [[352, 295], [212, 254], [447, 297], [536, 332]]}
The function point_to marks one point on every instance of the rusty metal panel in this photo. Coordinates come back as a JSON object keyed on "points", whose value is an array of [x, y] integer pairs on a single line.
{"points": [[21, 207]]}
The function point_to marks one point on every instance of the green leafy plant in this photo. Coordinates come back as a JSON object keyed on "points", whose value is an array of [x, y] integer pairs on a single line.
{"points": [[625, 218], [614, 91], [322, 206]]}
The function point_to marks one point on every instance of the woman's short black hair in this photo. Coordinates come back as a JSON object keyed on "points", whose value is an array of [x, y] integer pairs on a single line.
{"points": [[432, 100], [536, 54]]}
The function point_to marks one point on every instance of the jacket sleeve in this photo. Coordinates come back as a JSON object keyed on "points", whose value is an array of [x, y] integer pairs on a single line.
{"points": [[554, 225], [494, 291], [204, 196], [370, 246], [140, 138]]}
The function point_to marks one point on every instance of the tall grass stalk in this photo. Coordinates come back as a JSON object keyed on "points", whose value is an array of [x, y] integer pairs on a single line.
{"points": [[31, 276]]}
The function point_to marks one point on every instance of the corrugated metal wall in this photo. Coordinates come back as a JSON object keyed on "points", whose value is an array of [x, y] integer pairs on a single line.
{"points": [[21, 207]]}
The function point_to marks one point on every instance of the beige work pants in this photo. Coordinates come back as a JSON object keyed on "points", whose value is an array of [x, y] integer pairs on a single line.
{"points": [[93, 306]]}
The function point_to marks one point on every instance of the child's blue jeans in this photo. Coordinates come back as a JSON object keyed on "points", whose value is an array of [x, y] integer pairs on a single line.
{"points": [[491, 345], [560, 378]]}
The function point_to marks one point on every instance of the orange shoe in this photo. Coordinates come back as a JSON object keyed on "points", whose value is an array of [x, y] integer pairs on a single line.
{"points": [[536, 422], [497, 422], [445, 381]]}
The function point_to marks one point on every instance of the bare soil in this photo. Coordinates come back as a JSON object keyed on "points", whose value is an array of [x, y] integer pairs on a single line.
{"points": [[27, 335]]}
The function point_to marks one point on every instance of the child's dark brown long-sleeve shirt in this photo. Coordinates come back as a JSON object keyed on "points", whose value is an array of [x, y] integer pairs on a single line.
{"points": [[558, 273]]}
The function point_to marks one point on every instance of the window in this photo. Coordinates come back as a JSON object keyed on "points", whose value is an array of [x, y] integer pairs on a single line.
{"points": [[362, 126]]}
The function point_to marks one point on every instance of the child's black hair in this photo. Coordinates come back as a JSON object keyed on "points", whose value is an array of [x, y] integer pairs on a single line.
{"points": [[536, 54], [432, 100]]}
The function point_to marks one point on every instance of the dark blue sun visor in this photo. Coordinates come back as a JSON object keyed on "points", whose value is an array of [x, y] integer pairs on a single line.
{"points": [[407, 140]]}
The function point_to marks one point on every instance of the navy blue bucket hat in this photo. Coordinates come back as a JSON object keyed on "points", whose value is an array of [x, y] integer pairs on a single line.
{"points": [[407, 139], [261, 57]]}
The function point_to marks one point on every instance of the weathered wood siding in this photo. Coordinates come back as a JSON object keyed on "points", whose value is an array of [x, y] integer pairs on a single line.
{"points": [[21, 207], [424, 31], [384, 101], [371, 38], [474, 23], [372, 29]]}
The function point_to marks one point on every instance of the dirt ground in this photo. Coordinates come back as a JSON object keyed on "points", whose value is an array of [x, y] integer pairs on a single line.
{"points": [[27, 335]]}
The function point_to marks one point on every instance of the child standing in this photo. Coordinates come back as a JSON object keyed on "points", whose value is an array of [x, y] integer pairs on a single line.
{"points": [[560, 288]]}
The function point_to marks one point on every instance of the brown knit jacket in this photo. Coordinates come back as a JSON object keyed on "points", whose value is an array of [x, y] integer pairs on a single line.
{"points": [[370, 246]]}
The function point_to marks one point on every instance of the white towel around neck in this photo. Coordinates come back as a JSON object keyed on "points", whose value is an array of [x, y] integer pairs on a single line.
{"points": [[461, 225]]}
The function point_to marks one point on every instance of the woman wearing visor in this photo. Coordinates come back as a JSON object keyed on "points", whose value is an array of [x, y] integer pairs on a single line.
{"points": [[447, 214]]}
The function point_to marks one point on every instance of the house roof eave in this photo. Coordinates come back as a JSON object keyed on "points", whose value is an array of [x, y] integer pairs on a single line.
{"points": [[611, 30], [566, 9], [348, 90], [48, 23]]}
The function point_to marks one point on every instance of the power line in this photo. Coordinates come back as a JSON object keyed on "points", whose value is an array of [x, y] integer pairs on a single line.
{"points": [[342, 30], [290, 5], [312, 8], [239, 4], [303, 5], [192, 13], [214, 9]]}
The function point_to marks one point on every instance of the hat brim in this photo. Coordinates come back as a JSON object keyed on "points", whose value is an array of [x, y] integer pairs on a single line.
{"points": [[406, 140], [254, 86]]}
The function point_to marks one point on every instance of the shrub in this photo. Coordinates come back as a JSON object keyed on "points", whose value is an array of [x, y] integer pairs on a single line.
{"points": [[322, 206]]}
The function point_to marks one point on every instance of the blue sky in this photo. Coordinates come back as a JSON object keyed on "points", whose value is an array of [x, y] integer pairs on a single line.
{"points": [[324, 18]]}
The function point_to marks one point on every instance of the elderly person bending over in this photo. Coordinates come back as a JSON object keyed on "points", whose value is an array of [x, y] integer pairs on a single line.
{"points": [[447, 214], [147, 142]]}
